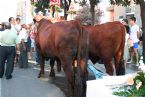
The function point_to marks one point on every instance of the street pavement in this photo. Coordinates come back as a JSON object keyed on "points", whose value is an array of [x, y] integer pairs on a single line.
{"points": [[26, 84]]}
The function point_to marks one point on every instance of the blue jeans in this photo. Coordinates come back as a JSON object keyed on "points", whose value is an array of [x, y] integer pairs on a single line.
{"points": [[37, 56]]}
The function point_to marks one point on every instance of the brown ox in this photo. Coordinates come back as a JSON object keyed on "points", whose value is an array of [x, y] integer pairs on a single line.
{"points": [[106, 41], [42, 25], [68, 42]]}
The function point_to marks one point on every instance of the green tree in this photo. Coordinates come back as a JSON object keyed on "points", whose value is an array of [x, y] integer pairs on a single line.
{"points": [[66, 5], [93, 3], [85, 16], [41, 5]]}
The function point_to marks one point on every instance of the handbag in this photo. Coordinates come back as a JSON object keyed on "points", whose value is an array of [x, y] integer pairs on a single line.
{"points": [[130, 42]]}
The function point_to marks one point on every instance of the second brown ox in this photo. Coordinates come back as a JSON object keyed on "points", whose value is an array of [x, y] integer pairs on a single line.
{"points": [[106, 42]]}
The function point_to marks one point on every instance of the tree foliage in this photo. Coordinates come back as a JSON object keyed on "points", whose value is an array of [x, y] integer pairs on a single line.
{"points": [[41, 5], [84, 15], [125, 2]]}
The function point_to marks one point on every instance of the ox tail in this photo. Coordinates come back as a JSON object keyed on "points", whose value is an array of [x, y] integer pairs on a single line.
{"points": [[82, 49], [122, 45], [80, 78]]}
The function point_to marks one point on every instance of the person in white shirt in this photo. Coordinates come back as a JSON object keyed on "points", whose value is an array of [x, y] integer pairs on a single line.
{"points": [[13, 24], [9, 39], [18, 25], [23, 60], [1, 30], [134, 36]]}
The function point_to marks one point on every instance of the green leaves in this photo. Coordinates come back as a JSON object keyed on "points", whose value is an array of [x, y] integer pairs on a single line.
{"points": [[41, 5], [133, 91], [120, 2]]}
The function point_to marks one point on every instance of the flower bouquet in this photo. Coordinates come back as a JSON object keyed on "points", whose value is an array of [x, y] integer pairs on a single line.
{"points": [[135, 86]]}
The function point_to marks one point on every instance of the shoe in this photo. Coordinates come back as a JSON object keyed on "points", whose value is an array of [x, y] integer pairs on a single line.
{"points": [[36, 64], [129, 62], [9, 77], [137, 64]]}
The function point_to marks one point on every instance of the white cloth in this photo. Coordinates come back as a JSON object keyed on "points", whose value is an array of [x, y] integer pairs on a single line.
{"points": [[133, 35], [103, 87], [18, 28], [126, 38], [23, 35], [13, 29], [32, 43]]}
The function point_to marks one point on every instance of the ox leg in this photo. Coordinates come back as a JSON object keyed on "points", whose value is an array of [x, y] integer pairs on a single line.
{"points": [[67, 67], [52, 72], [80, 77], [58, 65], [109, 66], [41, 74], [119, 64], [83, 64]]}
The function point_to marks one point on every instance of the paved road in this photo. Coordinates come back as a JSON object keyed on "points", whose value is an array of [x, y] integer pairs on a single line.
{"points": [[26, 84]]}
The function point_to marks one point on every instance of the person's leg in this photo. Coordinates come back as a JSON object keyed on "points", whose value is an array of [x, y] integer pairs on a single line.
{"points": [[25, 57], [137, 56], [21, 56], [131, 53], [126, 55], [10, 62], [37, 56], [29, 48], [136, 53], [2, 61]]}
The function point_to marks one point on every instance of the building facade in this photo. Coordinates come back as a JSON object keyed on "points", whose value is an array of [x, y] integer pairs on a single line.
{"points": [[117, 13]]}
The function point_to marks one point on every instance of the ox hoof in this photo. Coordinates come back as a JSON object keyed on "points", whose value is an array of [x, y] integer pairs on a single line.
{"points": [[58, 69], [41, 75], [52, 74]]}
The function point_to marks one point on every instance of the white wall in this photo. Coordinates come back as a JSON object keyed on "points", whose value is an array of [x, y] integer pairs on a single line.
{"points": [[106, 15], [119, 11], [137, 15], [8, 8]]}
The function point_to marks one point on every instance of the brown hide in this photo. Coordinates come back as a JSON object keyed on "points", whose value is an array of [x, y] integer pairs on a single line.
{"points": [[67, 41], [106, 41]]}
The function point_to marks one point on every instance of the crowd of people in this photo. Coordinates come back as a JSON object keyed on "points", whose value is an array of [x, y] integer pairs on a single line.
{"points": [[16, 45], [133, 41]]}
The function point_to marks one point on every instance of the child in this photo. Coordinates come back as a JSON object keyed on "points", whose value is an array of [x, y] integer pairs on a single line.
{"points": [[134, 35]]}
